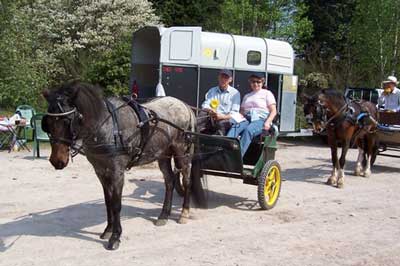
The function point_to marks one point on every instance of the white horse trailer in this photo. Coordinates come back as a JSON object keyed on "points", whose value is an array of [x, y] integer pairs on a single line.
{"points": [[186, 61]]}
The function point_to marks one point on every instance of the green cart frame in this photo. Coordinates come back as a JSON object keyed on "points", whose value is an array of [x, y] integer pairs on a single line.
{"points": [[220, 156], [388, 135]]}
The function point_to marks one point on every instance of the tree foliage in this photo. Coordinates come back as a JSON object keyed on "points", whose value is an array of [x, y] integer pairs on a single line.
{"points": [[331, 20], [187, 12], [328, 50], [42, 42], [48, 41], [76, 30], [375, 34], [22, 68]]}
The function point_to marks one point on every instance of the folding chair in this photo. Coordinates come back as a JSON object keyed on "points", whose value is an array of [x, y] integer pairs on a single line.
{"points": [[38, 134], [27, 112], [6, 135]]}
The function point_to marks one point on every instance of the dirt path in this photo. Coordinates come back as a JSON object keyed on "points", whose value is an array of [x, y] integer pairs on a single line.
{"points": [[50, 217]]}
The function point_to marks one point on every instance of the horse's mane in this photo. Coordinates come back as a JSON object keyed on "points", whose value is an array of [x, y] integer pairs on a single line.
{"points": [[86, 97], [333, 96]]}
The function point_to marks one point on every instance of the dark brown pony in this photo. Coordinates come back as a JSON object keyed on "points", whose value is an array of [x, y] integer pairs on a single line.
{"points": [[344, 122], [113, 141]]}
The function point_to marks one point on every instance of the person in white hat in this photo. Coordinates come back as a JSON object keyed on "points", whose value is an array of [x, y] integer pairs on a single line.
{"points": [[390, 98]]}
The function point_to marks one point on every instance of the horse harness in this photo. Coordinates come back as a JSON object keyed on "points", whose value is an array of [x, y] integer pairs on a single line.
{"points": [[345, 113], [148, 121], [73, 117]]}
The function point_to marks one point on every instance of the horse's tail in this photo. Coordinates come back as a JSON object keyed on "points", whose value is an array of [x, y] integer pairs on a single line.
{"points": [[197, 191]]}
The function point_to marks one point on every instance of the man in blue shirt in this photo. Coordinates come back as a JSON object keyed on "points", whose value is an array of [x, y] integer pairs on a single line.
{"points": [[228, 99], [390, 98]]}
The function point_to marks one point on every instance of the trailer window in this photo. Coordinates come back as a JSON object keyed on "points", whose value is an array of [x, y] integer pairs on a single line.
{"points": [[253, 58]]}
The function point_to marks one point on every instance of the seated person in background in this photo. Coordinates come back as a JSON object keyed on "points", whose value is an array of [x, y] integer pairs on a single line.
{"points": [[390, 98], [259, 110], [221, 102]]}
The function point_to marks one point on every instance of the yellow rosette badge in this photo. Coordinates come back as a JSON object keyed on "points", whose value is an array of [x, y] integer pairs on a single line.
{"points": [[214, 104]]}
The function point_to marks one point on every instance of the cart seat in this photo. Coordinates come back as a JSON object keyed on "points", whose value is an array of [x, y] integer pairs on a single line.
{"points": [[259, 144], [389, 118]]}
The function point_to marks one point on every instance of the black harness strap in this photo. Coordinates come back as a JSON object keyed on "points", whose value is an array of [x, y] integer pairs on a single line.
{"points": [[143, 120], [139, 109], [116, 132], [148, 121]]}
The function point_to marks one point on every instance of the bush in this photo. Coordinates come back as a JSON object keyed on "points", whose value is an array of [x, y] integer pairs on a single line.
{"points": [[314, 82], [111, 69]]}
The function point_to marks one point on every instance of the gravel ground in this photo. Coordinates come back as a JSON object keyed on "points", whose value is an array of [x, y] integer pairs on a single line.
{"points": [[50, 217]]}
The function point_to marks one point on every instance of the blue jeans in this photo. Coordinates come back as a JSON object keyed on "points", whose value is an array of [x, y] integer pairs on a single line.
{"points": [[247, 130]]}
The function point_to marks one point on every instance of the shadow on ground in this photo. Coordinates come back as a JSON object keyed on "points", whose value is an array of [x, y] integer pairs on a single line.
{"points": [[153, 192], [71, 221]]}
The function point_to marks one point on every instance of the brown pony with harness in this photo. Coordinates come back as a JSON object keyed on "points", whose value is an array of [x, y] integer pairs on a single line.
{"points": [[116, 135], [344, 122]]}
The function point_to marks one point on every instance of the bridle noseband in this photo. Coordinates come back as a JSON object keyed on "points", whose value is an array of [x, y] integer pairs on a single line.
{"points": [[320, 115], [62, 114], [74, 117]]}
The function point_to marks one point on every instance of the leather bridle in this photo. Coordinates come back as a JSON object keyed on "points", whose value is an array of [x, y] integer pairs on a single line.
{"points": [[73, 117]]}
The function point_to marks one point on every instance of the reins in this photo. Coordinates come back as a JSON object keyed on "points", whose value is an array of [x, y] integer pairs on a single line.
{"points": [[153, 118], [76, 148], [339, 112]]}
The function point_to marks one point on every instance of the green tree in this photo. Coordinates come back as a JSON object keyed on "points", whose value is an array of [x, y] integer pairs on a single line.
{"points": [[110, 69], [329, 49], [278, 19], [331, 25], [43, 42], [22, 68], [187, 12], [375, 35], [74, 31]]}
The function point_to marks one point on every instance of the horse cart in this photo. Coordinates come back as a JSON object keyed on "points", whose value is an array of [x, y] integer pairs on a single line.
{"points": [[185, 62], [220, 156], [388, 134]]}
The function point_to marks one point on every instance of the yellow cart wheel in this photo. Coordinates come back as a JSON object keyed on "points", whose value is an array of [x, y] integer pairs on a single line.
{"points": [[269, 185]]}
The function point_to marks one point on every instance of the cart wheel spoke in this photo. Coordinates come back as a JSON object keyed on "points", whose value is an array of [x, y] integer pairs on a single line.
{"points": [[269, 185]]}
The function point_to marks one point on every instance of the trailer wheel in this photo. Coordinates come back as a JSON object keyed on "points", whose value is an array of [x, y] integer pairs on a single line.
{"points": [[269, 185]]}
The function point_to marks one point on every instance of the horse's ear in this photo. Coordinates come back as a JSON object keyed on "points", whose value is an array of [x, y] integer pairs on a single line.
{"points": [[72, 90], [46, 93], [304, 98]]}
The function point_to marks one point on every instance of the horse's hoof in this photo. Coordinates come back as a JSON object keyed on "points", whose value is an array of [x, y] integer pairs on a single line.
{"points": [[357, 173], [183, 220], [161, 222], [106, 235], [113, 244], [367, 174], [340, 184], [331, 181]]}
